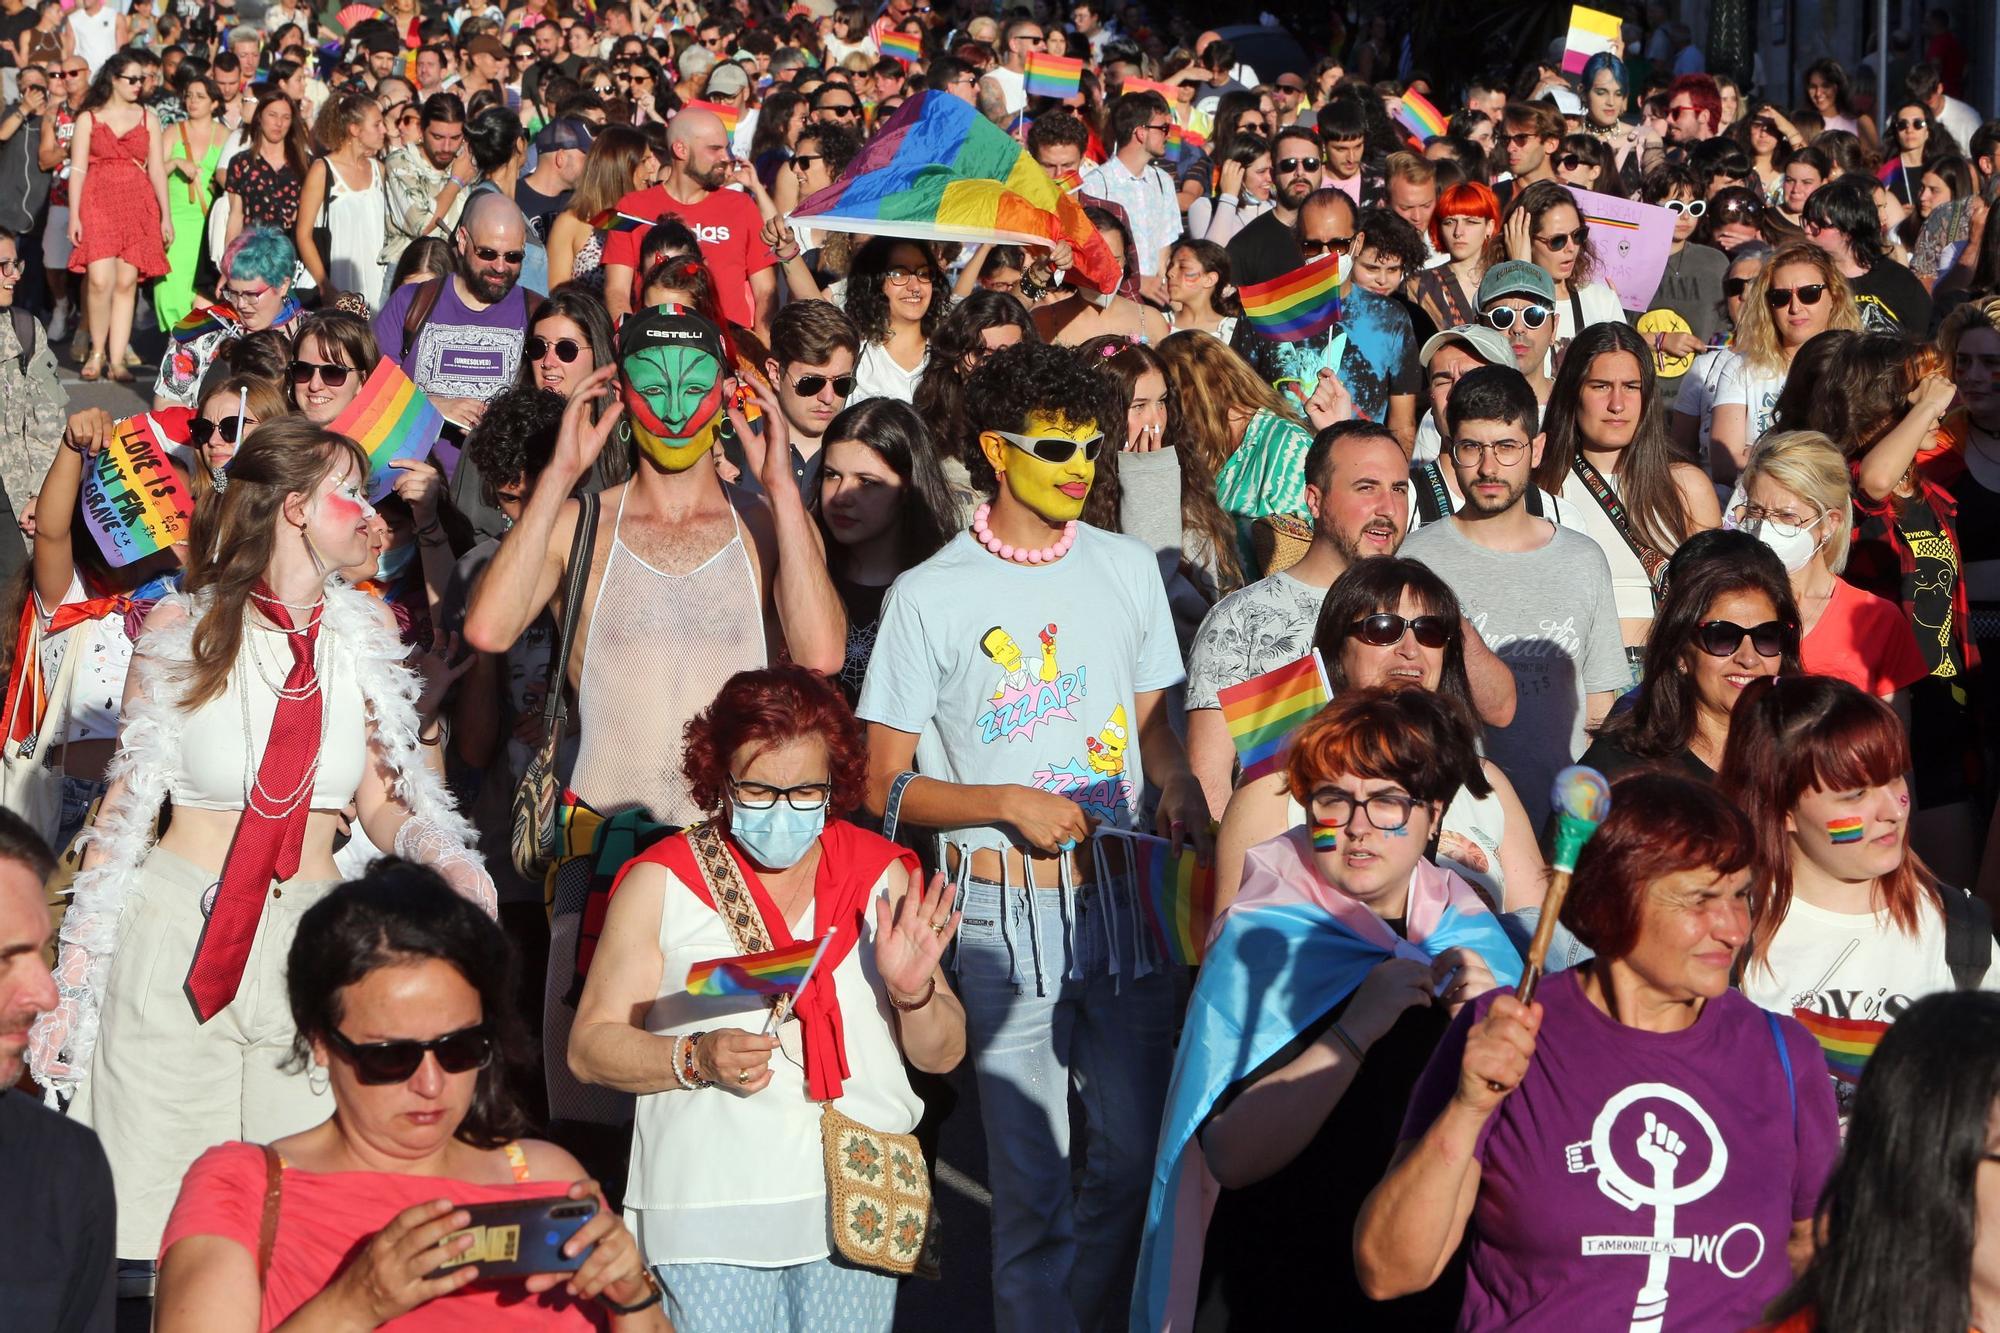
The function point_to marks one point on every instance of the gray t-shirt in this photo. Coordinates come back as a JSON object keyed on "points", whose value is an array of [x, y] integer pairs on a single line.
{"points": [[1257, 628], [1550, 616], [1691, 287]]}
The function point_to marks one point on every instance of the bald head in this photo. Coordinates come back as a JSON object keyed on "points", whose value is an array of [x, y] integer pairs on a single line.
{"points": [[699, 148], [491, 218], [492, 241]]}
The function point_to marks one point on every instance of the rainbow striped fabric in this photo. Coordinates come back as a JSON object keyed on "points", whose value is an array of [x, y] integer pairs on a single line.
{"points": [[937, 170], [1297, 305], [611, 220], [1419, 117], [777, 972], [1179, 897], [1169, 91], [389, 419], [728, 115], [1183, 142], [1054, 76], [1846, 1042], [133, 502], [1264, 711], [203, 320], [904, 46]]}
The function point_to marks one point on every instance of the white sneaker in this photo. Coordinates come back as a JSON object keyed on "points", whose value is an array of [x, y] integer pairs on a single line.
{"points": [[58, 322]]}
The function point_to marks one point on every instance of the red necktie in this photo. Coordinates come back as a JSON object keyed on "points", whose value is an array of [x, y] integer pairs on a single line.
{"points": [[273, 829]]}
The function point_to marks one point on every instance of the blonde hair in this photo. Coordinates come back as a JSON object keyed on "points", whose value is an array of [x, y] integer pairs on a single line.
{"points": [[1979, 313], [1810, 466], [1757, 340], [1210, 381]]}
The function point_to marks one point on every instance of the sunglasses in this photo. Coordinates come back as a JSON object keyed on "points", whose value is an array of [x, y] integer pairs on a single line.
{"points": [[1383, 630], [1911, 125], [1693, 209], [1337, 245], [76, 73], [1741, 207], [379, 1062], [331, 376], [1055, 448], [1568, 162], [1502, 317], [1736, 286], [1766, 124], [1287, 165], [810, 386], [802, 162], [1517, 140], [846, 111], [1780, 297], [1720, 638], [566, 349], [1560, 241], [201, 430], [487, 254]]}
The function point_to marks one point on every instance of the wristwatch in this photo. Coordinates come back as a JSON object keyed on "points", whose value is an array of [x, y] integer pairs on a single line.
{"points": [[653, 1296]]}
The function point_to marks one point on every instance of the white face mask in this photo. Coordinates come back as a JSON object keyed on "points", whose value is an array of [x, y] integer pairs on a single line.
{"points": [[1796, 547]]}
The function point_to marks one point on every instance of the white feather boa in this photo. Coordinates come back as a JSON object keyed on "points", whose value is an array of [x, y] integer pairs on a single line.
{"points": [[149, 748]]}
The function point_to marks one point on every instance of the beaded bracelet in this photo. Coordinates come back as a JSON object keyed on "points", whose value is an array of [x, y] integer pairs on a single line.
{"points": [[685, 1072]]}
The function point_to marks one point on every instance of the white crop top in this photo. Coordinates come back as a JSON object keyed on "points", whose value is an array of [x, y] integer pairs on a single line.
{"points": [[210, 775]]}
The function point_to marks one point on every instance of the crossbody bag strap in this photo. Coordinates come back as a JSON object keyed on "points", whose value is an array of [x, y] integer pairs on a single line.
{"points": [[555, 712], [1438, 507], [1650, 560], [731, 896], [59, 695]]}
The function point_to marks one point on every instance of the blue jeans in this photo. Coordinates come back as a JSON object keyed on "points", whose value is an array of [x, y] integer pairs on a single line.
{"points": [[1045, 1010]]}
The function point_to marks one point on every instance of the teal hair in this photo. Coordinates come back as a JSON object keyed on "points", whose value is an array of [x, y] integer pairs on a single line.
{"points": [[262, 254]]}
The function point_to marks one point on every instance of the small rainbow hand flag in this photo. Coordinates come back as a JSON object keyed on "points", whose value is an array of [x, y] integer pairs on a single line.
{"points": [[1263, 712], [777, 972], [1590, 31], [1419, 117], [1846, 1042], [904, 46], [1184, 143], [389, 419], [203, 320], [611, 220], [1297, 305], [1169, 91], [1179, 894], [728, 115], [1054, 76]]}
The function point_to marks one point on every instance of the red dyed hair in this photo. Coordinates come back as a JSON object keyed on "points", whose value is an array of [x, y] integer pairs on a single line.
{"points": [[1790, 734], [770, 707], [1416, 738], [1659, 824], [1702, 93], [1466, 199]]}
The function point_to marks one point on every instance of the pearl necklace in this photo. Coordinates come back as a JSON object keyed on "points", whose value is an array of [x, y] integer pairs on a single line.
{"points": [[1046, 556]]}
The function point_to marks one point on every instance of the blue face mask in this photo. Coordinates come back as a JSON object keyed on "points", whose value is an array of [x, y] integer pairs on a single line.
{"points": [[389, 565], [777, 838]]}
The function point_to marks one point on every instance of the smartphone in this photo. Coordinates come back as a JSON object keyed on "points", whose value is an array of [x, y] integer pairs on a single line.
{"points": [[521, 1237]]}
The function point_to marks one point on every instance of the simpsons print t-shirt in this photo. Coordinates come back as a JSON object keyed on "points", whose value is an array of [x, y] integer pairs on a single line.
{"points": [[1027, 674]]}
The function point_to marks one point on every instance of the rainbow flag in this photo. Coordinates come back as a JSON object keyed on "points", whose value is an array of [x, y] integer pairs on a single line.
{"points": [[1590, 31], [203, 320], [1183, 142], [1054, 76], [1846, 1042], [904, 46], [1297, 305], [389, 419], [1264, 711], [728, 115], [1170, 91], [937, 170], [133, 501], [1845, 830], [777, 972], [1179, 897], [611, 220], [1419, 117]]}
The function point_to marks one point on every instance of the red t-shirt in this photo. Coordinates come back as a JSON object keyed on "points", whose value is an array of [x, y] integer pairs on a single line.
{"points": [[730, 231], [1864, 640]]}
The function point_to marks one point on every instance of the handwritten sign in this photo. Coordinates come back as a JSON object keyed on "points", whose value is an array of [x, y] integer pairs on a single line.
{"points": [[1632, 241], [133, 501]]}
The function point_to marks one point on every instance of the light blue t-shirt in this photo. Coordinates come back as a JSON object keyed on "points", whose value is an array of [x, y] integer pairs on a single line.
{"points": [[1027, 674]]}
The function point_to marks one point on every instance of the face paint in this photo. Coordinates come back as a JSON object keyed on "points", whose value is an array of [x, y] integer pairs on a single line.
{"points": [[1402, 832], [1055, 491], [346, 506], [1326, 837], [1844, 830], [673, 398]]}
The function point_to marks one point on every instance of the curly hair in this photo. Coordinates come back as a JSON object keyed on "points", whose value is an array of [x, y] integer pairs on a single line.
{"points": [[1033, 377], [515, 437], [940, 395], [867, 280], [770, 707]]}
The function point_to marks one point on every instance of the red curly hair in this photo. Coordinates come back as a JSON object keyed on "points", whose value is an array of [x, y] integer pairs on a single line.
{"points": [[770, 707]]}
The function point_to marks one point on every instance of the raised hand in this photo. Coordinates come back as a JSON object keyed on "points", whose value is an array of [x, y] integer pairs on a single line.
{"points": [[910, 938], [580, 439]]}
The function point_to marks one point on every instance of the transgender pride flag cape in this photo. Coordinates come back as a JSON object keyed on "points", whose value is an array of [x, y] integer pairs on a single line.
{"points": [[1289, 950]]}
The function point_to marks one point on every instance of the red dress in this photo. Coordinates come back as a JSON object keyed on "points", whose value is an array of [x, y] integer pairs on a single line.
{"points": [[121, 214]]}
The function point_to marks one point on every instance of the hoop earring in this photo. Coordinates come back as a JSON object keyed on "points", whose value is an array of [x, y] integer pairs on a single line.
{"points": [[318, 1080]]}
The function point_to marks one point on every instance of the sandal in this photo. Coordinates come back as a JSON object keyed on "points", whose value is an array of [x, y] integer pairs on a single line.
{"points": [[117, 374], [93, 367]]}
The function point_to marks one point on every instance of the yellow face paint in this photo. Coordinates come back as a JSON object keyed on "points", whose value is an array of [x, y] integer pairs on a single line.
{"points": [[1054, 491], [676, 455]]}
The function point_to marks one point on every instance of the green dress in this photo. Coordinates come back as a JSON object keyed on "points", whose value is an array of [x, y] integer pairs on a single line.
{"points": [[173, 298]]}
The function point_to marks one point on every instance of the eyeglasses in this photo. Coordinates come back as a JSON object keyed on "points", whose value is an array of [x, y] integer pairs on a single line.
{"points": [[1693, 208], [1055, 448], [1560, 241], [1517, 140], [238, 297], [1287, 165], [487, 254], [1720, 638], [1388, 811], [1502, 317], [201, 430], [1680, 110], [810, 386], [1160, 128], [1912, 125], [11, 266], [76, 73], [379, 1062], [331, 376], [1383, 630], [762, 796], [1333, 245], [901, 277], [1786, 522], [130, 78], [1506, 453], [1780, 297], [537, 347], [1736, 286]]}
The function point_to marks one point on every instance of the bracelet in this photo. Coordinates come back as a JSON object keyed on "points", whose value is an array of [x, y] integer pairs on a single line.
{"points": [[444, 733], [1348, 1042], [897, 1004], [654, 1293], [685, 1068]]}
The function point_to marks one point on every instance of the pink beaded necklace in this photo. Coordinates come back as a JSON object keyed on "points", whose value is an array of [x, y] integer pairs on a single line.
{"points": [[1046, 556]]}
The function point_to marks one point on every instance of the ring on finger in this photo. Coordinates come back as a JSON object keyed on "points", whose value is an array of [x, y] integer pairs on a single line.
{"points": [[742, 1076]]}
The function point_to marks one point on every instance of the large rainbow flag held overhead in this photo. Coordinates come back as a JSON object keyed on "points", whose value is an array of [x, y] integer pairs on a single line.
{"points": [[937, 170], [1262, 713], [389, 419], [1297, 305], [776, 972]]}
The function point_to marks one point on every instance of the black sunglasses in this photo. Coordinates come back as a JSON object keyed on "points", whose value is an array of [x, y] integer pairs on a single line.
{"points": [[1719, 638], [1568, 162], [331, 376], [1911, 125], [1560, 241], [1780, 297], [487, 254], [1336, 245], [537, 347], [1736, 286], [379, 1062], [201, 430], [1383, 630], [1287, 165], [845, 110], [809, 386]]}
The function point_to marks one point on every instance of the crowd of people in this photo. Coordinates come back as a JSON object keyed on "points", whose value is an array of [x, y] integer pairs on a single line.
{"points": [[380, 857]]}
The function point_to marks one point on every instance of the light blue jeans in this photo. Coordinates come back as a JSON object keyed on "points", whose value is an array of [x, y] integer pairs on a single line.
{"points": [[819, 1297], [1051, 999]]}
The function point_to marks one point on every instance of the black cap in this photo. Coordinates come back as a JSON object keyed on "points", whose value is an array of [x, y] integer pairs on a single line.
{"points": [[670, 324]]}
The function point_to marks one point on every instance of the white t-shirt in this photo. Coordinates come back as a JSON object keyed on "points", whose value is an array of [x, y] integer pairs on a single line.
{"points": [[876, 375], [1013, 86], [1697, 393], [1743, 385]]}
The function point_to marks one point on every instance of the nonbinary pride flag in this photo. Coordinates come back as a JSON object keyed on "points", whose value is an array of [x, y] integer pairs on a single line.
{"points": [[1053, 76], [389, 419], [1590, 31], [1301, 304], [937, 170], [776, 972], [1263, 712]]}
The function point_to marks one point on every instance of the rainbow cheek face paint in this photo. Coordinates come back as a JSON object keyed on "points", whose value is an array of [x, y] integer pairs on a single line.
{"points": [[1326, 837], [1844, 830]]}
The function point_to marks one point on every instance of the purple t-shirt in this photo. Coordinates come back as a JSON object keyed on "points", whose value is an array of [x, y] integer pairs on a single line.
{"points": [[1639, 1176], [459, 352]]}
